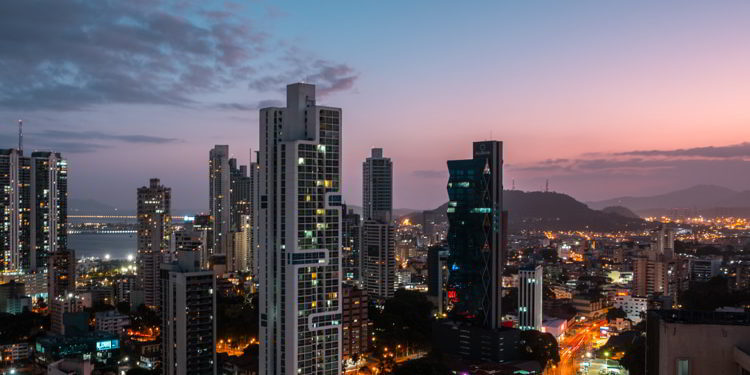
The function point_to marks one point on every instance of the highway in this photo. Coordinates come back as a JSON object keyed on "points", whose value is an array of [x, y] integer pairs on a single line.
{"points": [[574, 346]]}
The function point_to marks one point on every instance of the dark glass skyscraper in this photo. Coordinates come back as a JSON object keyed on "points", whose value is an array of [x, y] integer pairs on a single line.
{"points": [[475, 217]]}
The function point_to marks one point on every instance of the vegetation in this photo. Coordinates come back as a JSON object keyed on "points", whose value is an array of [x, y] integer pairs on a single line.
{"points": [[237, 318], [634, 359], [540, 347], [405, 320], [713, 294], [613, 314], [21, 327], [429, 365]]}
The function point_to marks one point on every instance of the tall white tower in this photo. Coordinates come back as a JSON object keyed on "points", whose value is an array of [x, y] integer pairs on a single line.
{"points": [[300, 236]]}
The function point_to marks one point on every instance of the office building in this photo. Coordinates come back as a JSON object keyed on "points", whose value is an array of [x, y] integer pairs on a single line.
{"points": [[684, 342], [475, 234], [378, 242], [33, 191], [154, 230], [61, 273], [437, 276], [530, 297], [300, 237], [188, 313], [220, 197], [356, 327]]}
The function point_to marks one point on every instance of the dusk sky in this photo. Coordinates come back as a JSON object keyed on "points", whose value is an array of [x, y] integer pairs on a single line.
{"points": [[603, 98]]}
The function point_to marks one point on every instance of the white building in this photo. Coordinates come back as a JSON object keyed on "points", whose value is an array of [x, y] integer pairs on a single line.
{"points": [[633, 306], [188, 329], [111, 321], [530, 298], [300, 236]]}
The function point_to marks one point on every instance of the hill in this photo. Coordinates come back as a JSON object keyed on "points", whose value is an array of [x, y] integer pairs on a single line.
{"points": [[620, 210], [696, 197], [549, 211]]}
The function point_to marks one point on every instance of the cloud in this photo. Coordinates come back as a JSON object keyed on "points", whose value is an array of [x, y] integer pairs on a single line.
{"points": [[72, 55], [429, 173], [328, 76], [250, 107], [95, 135], [741, 150]]}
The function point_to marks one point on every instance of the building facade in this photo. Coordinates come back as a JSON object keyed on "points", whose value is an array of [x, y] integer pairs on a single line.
{"points": [[300, 236], [33, 221], [475, 233], [188, 313], [356, 327], [154, 231], [530, 293], [219, 198]]}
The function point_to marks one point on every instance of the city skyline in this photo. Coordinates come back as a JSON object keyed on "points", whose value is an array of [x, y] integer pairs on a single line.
{"points": [[538, 86]]}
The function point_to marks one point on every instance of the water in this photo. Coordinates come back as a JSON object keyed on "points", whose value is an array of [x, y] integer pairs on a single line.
{"points": [[118, 246]]}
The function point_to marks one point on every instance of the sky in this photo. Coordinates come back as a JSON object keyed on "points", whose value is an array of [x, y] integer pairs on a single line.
{"points": [[601, 98]]}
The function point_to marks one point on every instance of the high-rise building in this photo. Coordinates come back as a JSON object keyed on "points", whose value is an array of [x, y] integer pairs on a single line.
{"points": [[378, 249], [241, 256], [300, 237], [188, 313], [378, 242], [437, 276], [204, 224], [59, 307], [61, 273], [220, 197], [154, 231], [254, 174], [475, 214], [530, 297], [351, 227], [240, 193], [193, 239], [377, 186], [662, 241], [33, 222]]}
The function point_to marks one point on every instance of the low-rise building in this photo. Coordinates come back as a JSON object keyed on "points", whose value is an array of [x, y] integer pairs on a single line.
{"points": [[632, 306], [111, 321]]}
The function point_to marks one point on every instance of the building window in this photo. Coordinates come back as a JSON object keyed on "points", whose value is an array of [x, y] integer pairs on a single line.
{"points": [[683, 366]]}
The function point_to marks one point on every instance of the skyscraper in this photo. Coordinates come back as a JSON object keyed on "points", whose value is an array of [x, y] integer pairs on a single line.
{"points": [[530, 297], [300, 236], [474, 236], [188, 313], [220, 197], [378, 243], [154, 230], [377, 186], [33, 222]]}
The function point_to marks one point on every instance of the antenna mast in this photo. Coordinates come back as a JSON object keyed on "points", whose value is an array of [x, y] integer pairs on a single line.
{"points": [[546, 186], [20, 135]]}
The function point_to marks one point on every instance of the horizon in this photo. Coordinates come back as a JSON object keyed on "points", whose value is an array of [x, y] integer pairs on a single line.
{"points": [[672, 113]]}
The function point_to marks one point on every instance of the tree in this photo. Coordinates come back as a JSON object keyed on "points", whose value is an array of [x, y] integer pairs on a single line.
{"points": [[634, 359], [613, 314], [406, 319], [540, 347], [237, 317], [712, 294], [430, 365]]}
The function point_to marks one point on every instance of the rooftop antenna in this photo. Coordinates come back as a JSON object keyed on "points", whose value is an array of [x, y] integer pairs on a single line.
{"points": [[20, 135], [546, 186]]}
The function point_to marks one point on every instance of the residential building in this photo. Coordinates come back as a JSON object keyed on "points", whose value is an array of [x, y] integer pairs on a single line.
{"points": [[111, 321], [299, 236], [61, 273], [33, 224], [355, 325], [704, 269], [219, 175], [351, 231], [59, 307], [188, 313], [633, 306], [154, 231]]}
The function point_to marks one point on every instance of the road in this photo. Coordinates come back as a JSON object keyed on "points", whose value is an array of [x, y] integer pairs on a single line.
{"points": [[574, 346]]}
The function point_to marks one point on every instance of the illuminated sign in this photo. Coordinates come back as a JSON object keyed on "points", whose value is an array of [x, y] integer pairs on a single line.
{"points": [[107, 344]]}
